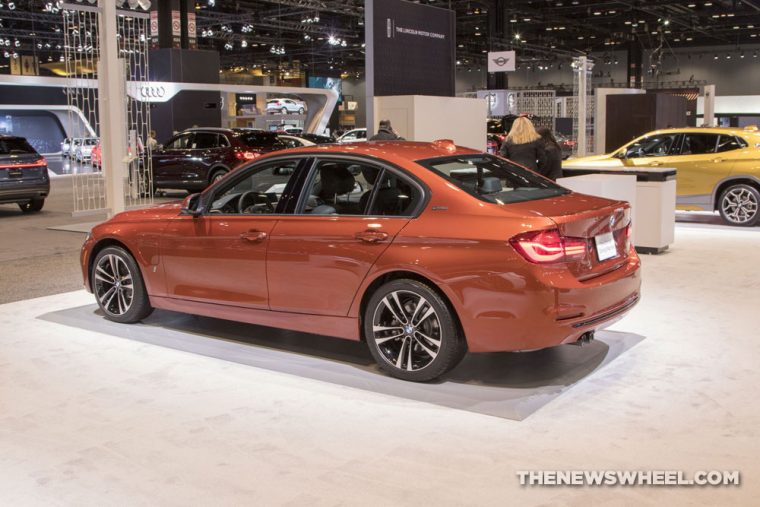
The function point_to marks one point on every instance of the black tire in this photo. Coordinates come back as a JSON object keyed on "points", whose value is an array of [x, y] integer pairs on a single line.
{"points": [[284, 110], [32, 206], [300, 111], [415, 349], [216, 175], [138, 306], [740, 205]]}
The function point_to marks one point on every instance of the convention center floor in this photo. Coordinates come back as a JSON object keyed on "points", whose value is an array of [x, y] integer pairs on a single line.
{"points": [[188, 411]]}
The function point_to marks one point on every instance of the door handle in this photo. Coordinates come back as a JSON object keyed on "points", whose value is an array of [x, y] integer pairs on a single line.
{"points": [[371, 236], [717, 160], [655, 164], [253, 236]]}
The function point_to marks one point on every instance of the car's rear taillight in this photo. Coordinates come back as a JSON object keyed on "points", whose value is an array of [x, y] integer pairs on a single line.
{"points": [[246, 155], [549, 246], [40, 162]]}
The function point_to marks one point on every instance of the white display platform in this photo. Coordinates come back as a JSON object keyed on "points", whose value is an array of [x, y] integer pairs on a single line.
{"points": [[424, 118], [654, 205], [618, 187], [507, 385]]}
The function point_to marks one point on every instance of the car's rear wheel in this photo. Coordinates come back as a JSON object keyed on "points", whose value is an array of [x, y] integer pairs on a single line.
{"points": [[411, 332], [739, 205], [300, 110], [32, 206], [217, 175], [118, 286]]}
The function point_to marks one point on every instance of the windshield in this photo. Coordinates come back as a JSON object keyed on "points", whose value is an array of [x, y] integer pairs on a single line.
{"points": [[493, 179], [261, 140], [17, 146]]}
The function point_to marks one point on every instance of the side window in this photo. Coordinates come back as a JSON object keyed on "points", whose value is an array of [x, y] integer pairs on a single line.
{"points": [[394, 196], [361, 134], [290, 143], [653, 146], [179, 143], [205, 140], [350, 136], [729, 143], [258, 192], [698, 143], [223, 142], [340, 188]]}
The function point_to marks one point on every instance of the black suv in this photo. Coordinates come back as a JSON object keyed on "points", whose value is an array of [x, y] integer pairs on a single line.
{"points": [[197, 157], [23, 174]]}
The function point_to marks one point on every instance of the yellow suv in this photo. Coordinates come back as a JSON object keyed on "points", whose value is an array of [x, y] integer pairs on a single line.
{"points": [[718, 168]]}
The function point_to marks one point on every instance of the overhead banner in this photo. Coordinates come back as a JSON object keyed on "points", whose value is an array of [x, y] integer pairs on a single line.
{"points": [[501, 61], [412, 48]]}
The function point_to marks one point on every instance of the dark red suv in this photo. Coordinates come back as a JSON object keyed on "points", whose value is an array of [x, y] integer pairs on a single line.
{"points": [[195, 158]]}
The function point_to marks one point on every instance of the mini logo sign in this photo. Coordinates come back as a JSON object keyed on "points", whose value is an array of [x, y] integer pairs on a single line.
{"points": [[501, 61]]}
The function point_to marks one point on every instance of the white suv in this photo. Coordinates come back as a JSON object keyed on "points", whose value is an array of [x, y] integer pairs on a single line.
{"points": [[286, 106]]}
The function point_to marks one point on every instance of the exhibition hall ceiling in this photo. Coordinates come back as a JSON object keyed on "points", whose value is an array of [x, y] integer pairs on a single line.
{"points": [[328, 35]]}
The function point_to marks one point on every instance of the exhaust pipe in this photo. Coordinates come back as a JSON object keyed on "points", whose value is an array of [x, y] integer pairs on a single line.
{"points": [[585, 338]]}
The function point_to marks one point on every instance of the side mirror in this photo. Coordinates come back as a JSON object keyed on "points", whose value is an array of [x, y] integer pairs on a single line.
{"points": [[191, 206]]}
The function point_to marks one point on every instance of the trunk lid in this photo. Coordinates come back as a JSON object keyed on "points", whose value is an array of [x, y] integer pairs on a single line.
{"points": [[591, 219]]}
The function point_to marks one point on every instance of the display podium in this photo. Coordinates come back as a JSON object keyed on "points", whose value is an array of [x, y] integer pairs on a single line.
{"points": [[651, 191]]}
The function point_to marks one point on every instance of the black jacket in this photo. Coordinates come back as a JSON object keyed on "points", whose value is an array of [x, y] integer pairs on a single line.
{"points": [[386, 135], [531, 155], [552, 167]]}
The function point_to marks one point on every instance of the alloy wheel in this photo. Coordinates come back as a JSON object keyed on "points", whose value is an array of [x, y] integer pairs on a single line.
{"points": [[114, 285], [739, 205], [407, 330]]}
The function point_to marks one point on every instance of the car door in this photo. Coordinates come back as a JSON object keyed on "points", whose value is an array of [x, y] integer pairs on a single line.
{"points": [[169, 162], [319, 256], [206, 153], [657, 150], [220, 256], [700, 167]]}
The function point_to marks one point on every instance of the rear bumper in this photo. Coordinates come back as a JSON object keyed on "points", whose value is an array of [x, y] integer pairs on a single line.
{"points": [[557, 310], [24, 190]]}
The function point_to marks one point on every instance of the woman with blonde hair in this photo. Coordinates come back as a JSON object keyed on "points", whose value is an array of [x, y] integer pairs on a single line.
{"points": [[524, 145]]}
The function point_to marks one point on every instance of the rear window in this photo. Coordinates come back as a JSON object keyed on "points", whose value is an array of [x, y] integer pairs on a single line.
{"points": [[15, 147], [493, 179], [261, 140]]}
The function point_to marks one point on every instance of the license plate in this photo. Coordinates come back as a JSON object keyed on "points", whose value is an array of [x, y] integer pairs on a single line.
{"points": [[605, 246]]}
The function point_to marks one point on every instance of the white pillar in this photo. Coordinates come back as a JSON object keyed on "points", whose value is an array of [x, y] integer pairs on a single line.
{"points": [[582, 105], [111, 108], [709, 106]]}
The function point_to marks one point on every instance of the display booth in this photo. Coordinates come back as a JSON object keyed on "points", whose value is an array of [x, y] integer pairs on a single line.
{"points": [[651, 191]]}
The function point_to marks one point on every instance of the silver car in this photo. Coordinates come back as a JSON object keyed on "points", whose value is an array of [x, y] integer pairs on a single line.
{"points": [[84, 148], [65, 147]]}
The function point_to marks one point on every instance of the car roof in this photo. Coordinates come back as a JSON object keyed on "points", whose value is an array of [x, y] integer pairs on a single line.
{"points": [[208, 129], [398, 152], [737, 131]]}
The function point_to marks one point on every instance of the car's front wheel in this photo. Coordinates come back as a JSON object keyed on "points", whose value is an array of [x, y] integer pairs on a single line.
{"points": [[300, 110], [32, 206], [739, 205], [411, 332], [118, 286]]}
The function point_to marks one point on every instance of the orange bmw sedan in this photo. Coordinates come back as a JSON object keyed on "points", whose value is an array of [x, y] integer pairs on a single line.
{"points": [[424, 251]]}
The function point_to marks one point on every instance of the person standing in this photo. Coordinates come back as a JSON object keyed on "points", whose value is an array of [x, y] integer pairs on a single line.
{"points": [[152, 142], [386, 133], [523, 145], [552, 167]]}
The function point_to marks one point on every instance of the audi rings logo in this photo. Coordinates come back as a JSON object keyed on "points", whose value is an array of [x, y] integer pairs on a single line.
{"points": [[152, 92]]}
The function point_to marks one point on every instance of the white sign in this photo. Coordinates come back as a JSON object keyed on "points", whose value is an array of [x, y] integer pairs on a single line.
{"points": [[501, 61]]}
